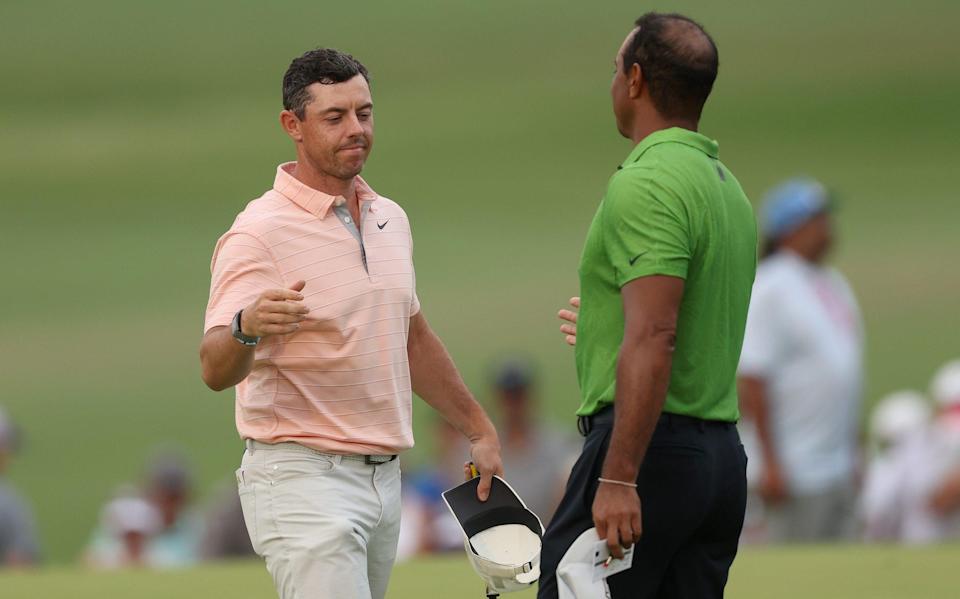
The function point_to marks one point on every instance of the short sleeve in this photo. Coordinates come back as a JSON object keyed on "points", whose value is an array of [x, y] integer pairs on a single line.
{"points": [[762, 339], [242, 268], [646, 229], [414, 298]]}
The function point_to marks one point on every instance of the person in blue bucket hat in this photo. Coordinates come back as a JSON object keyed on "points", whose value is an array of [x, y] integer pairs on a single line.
{"points": [[800, 376]]}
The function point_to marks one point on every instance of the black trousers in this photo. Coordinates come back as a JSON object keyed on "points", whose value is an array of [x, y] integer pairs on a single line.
{"points": [[693, 491]]}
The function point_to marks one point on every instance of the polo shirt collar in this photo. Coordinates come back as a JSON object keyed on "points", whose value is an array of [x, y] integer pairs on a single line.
{"points": [[313, 201], [674, 135]]}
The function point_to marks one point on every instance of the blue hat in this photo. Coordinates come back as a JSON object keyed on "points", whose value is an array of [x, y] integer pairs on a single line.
{"points": [[514, 375], [791, 204]]}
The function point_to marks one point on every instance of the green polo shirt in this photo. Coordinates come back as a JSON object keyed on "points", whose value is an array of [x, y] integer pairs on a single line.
{"points": [[672, 208]]}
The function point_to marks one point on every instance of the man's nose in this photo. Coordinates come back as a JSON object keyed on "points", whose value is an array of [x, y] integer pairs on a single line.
{"points": [[355, 127]]}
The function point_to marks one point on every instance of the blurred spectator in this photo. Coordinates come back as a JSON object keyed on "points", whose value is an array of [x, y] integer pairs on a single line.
{"points": [[536, 457], [893, 504], [18, 538], [125, 525], [225, 534], [128, 523], [800, 374], [945, 496]]}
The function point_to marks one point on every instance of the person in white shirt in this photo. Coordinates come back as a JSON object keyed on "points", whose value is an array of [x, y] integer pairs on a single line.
{"points": [[801, 372], [944, 499], [893, 504]]}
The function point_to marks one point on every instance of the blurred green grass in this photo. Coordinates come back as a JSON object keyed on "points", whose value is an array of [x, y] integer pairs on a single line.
{"points": [[838, 572], [134, 132]]}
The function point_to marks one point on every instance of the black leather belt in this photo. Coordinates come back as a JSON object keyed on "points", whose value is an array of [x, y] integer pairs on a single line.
{"points": [[604, 418]]}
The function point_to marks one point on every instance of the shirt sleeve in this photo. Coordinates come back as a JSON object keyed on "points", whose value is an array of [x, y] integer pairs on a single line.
{"points": [[762, 339], [242, 268], [414, 298], [646, 228]]}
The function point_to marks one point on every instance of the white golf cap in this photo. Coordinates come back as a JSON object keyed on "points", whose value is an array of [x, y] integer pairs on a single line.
{"points": [[899, 415], [131, 515], [501, 536], [575, 578], [945, 387]]}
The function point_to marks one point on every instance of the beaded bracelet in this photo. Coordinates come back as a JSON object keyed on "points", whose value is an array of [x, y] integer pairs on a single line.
{"points": [[617, 482]]}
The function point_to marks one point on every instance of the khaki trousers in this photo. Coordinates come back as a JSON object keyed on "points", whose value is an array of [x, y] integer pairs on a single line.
{"points": [[327, 526]]}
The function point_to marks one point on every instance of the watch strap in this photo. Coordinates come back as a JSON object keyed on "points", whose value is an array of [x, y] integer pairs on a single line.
{"points": [[238, 333]]}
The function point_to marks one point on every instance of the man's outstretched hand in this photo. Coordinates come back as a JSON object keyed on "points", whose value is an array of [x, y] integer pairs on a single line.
{"points": [[275, 312], [569, 327]]}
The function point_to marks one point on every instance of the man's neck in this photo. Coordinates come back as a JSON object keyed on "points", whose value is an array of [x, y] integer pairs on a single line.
{"points": [[314, 178], [642, 127], [807, 256]]}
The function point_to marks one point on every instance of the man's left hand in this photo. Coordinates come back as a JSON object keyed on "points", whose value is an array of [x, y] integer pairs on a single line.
{"points": [[616, 514], [485, 454]]}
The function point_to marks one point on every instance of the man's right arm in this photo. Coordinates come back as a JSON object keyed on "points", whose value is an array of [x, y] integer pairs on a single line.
{"points": [[756, 407], [224, 361]]}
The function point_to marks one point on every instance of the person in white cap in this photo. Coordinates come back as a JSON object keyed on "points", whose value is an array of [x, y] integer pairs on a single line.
{"points": [[801, 372], [945, 497], [893, 505], [18, 537], [128, 523]]}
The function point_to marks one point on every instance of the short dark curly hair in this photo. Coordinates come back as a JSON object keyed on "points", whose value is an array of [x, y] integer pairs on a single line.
{"points": [[323, 65], [678, 59]]}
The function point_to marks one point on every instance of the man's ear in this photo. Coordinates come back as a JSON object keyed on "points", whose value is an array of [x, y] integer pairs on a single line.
{"points": [[291, 125], [634, 81]]}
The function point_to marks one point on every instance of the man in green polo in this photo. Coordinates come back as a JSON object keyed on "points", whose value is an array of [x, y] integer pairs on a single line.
{"points": [[665, 281]]}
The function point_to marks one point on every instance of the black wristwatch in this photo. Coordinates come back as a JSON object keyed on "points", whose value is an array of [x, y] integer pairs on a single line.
{"points": [[238, 334]]}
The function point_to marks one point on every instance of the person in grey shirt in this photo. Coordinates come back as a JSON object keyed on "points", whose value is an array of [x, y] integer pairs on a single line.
{"points": [[18, 538]]}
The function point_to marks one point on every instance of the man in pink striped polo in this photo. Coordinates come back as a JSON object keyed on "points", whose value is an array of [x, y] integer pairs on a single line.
{"points": [[313, 315]]}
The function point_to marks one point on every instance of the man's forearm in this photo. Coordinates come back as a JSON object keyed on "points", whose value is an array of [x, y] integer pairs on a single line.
{"points": [[224, 362], [643, 376], [436, 380], [753, 402]]}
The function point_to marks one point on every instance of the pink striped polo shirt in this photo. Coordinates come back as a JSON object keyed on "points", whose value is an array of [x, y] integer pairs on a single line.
{"points": [[341, 383]]}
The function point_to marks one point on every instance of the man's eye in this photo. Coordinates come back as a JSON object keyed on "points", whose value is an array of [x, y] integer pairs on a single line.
{"points": [[363, 116], [334, 119]]}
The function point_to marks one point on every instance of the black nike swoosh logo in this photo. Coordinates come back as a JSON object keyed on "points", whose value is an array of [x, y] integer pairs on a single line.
{"points": [[637, 257], [379, 226]]}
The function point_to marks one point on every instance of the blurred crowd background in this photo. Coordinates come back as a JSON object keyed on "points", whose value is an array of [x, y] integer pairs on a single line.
{"points": [[134, 132]]}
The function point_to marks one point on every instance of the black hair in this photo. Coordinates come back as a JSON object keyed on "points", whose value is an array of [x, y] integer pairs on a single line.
{"points": [[323, 65], [678, 60]]}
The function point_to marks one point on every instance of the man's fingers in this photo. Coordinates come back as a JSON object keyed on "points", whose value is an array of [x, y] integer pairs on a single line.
{"points": [[568, 329], [299, 285], [288, 307], [626, 533], [568, 315], [282, 294], [575, 301], [637, 526], [280, 318], [613, 541], [483, 489], [280, 329], [571, 340], [601, 526]]}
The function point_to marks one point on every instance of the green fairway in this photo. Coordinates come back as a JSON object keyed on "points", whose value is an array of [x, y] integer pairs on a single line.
{"points": [[797, 573], [134, 132]]}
